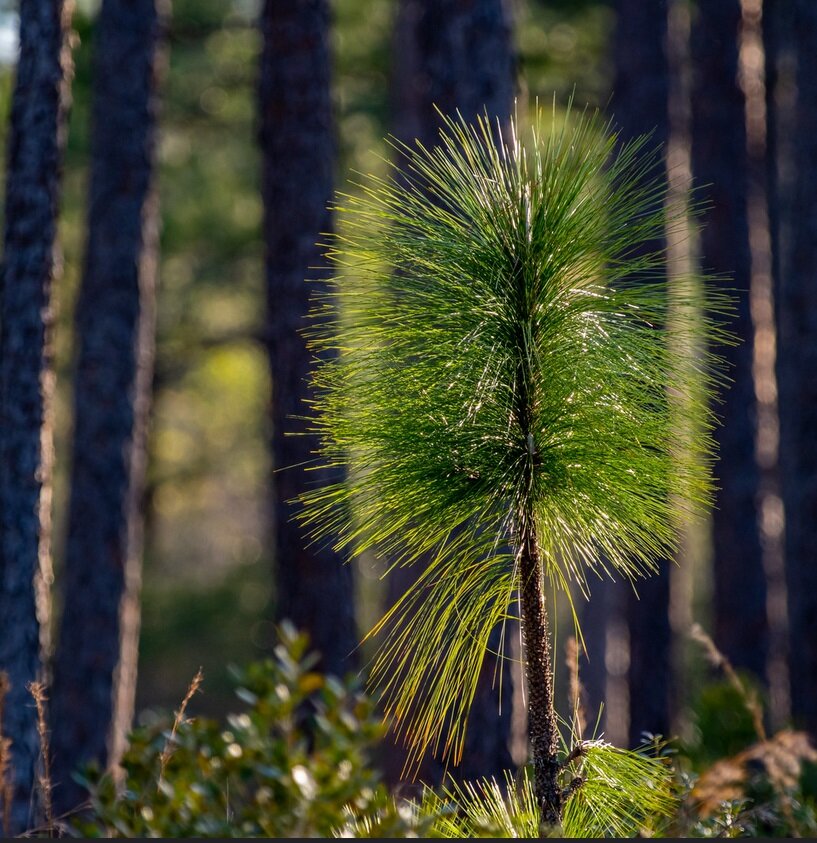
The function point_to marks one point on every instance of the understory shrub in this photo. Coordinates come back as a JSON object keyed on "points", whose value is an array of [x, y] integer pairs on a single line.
{"points": [[291, 763], [296, 761]]}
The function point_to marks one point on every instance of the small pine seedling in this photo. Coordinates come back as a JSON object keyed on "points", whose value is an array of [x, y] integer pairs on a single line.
{"points": [[502, 357]]}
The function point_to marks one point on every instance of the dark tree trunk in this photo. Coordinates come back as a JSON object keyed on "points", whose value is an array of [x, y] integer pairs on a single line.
{"points": [[798, 380], [543, 725], [95, 666], [543, 728], [719, 167], [771, 25], [780, 70], [37, 134], [456, 55], [641, 106], [594, 619], [315, 589]]}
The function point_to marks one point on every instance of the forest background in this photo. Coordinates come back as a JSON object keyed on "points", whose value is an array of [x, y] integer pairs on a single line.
{"points": [[723, 99], [208, 585]]}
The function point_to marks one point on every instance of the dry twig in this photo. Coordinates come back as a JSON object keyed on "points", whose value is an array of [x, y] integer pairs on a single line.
{"points": [[6, 787], [194, 686], [37, 691]]}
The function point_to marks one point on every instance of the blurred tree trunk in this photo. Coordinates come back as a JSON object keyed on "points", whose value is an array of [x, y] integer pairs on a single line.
{"points": [[314, 588], [96, 661], [641, 106], [780, 71], [594, 618], [720, 170], [797, 369], [456, 55], [772, 32], [36, 141]]}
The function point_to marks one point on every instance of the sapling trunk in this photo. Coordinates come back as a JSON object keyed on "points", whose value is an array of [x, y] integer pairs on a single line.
{"points": [[543, 731]]}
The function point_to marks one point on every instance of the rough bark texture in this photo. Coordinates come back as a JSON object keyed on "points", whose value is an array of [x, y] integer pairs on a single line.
{"points": [[798, 381], [26, 379], [543, 726], [543, 729], [719, 167], [641, 106], [315, 589], [95, 666], [456, 54]]}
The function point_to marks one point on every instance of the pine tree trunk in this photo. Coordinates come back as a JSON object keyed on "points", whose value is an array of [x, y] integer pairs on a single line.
{"points": [[36, 141], [771, 24], [797, 368], [456, 56], [315, 589], [719, 167], [95, 666], [641, 106], [543, 730]]}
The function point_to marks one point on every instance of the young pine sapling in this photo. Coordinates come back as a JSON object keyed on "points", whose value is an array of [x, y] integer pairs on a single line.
{"points": [[509, 363]]}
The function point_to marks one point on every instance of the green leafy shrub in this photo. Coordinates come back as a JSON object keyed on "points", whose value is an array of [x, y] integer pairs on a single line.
{"points": [[723, 724], [295, 761], [292, 763]]}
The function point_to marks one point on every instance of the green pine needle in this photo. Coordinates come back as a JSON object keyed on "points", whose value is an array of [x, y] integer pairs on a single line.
{"points": [[473, 275], [623, 794]]}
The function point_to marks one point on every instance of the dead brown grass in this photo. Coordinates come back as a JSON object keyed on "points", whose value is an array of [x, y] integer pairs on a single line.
{"points": [[37, 691], [194, 686], [575, 689], [6, 786], [781, 756]]}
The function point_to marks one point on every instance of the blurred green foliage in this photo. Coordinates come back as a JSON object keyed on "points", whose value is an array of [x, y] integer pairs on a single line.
{"points": [[290, 764], [723, 725], [212, 625], [740, 783], [564, 49]]}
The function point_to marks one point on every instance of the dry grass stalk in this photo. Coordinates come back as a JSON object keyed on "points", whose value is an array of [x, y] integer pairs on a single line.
{"points": [[781, 757], [194, 686], [37, 691], [719, 661], [6, 787], [576, 690]]}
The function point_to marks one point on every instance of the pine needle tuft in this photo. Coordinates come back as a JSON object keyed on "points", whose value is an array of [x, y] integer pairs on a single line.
{"points": [[476, 272], [622, 794]]}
